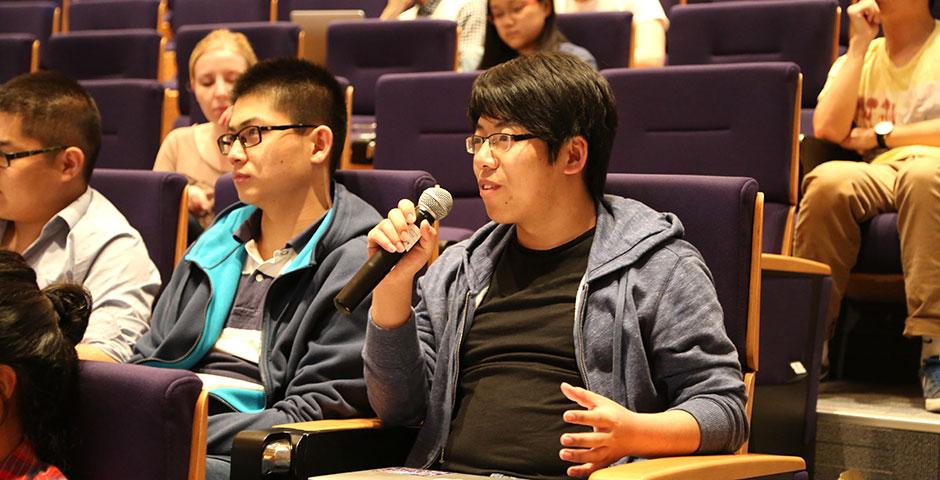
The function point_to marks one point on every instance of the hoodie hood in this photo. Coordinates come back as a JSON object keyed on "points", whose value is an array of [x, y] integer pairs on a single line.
{"points": [[626, 231]]}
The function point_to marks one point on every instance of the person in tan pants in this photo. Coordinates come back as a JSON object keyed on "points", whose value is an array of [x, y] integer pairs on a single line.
{"points": [[882, 99]]}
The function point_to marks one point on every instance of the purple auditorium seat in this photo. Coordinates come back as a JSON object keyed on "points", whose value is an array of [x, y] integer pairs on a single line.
{"points": [[373, 8], [196, 12], [113, 14], [36, 18], [798, 31], [421, 124], [714, 120], [19, 51], [607, 35], [105, 54], [153, 204], [364, 51], [268, 39], [136, 422], [131, 113], [380, 188]]}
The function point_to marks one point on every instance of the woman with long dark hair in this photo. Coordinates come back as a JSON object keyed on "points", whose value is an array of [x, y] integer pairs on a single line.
{"points": [[38, 370], [522, 27]]}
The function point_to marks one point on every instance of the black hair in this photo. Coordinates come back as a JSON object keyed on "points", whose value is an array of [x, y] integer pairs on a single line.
{"points": [[38, 333], [305, 92], [55, 110], [495, 50], [555, 97]]}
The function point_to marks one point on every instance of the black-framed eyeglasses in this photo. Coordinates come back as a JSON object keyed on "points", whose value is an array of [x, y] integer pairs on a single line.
{"points": [[9, 157], [251, 135], [499, 142]]}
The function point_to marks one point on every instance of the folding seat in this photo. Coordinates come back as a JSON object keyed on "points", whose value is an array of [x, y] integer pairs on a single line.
{"points": [[805, 32], [114, 14], [607, 35], [421, 124], [138, 422], [40, 19], [20, 54], [105, 54], [154, 203], [363, 51], [722, 218], [373, 8], [268, 39], [741, 120], [197, 12], [131, 121]]}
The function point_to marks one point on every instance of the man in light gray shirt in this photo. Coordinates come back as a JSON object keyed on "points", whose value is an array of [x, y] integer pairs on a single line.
{"points": [[50, 134]]}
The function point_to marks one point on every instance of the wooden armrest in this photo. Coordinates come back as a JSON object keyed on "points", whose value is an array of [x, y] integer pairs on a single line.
{"points": [[784, 263], [330, 425], [708, 467]]}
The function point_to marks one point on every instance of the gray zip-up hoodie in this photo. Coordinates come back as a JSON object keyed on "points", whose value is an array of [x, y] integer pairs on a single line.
{"points": [[648, 331]]}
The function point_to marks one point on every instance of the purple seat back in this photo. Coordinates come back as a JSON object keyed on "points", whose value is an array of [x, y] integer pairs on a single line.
{"points": [[717, 214], [380, 188], [130, 121], [606, 35], [735, 120], [798, 31], [197, 12], [421, 124], [104, 54], [269, 40], [365, 50], [113, 14], [28, 17], [373, 8], [151, 203], [16, 50], [133, 422]]}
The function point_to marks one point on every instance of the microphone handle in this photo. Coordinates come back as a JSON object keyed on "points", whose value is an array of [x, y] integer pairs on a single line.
{"points": [[372, 272]]}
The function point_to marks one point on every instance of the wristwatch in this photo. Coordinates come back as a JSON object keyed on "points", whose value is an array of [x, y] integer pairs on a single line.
{"points": [[882, 130]]}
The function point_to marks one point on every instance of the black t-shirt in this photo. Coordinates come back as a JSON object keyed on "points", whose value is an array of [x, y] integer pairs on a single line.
{"points": [[520, 347]]}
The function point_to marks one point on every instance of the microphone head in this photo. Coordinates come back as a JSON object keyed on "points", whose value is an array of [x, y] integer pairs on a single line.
{"points": [[436, 201]]}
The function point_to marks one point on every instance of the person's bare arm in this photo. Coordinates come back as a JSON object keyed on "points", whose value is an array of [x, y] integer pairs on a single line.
{"points": [[90, 352], [650, 50], [835, 111]]}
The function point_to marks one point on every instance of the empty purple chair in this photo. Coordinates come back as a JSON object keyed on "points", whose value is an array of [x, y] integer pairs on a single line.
{"points": [[153, 204], [380, 188], [36, 18], [105, 54], [422, 124], [20, 53], [801, 31], [131, 113], [113, 14], [196, 12], [268, 39], [373, 8], [364, 51], [137, 422], [607, 35], [714, 120]]}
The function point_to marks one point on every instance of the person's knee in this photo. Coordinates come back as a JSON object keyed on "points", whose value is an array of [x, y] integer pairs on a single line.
{"points": [[919, 176], [831, 182]]}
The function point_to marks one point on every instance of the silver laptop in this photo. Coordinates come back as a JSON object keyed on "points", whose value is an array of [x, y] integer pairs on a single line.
{"points": [[314, 24], [400, 473]]}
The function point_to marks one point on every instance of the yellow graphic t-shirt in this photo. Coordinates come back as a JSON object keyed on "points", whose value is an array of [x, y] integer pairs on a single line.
{"points": [[901, 95]]}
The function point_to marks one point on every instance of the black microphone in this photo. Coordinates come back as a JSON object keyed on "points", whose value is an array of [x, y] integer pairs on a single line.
{"points": [[435, 203]]}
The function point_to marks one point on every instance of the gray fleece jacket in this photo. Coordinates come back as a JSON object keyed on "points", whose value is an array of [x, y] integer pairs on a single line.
{"points": [[648, 331]]}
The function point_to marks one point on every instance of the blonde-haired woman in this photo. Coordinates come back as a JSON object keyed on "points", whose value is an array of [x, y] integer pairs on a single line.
{"points": [[215, 64]]}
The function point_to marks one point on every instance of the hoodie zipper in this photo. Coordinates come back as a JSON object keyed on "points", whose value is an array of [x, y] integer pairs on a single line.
{"points": [[580, 307], [456, 369]]}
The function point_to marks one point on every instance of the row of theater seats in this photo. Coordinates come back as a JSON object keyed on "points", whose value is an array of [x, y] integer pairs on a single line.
{"points": [[151, 420]]}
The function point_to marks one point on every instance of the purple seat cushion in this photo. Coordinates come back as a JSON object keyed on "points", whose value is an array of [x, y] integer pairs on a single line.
{"points": [[130, 121], [606, 35], [881, 246], [103, 54], [133, 422], [16, 50], [113, 14], [200, 12], [27, 17]]}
